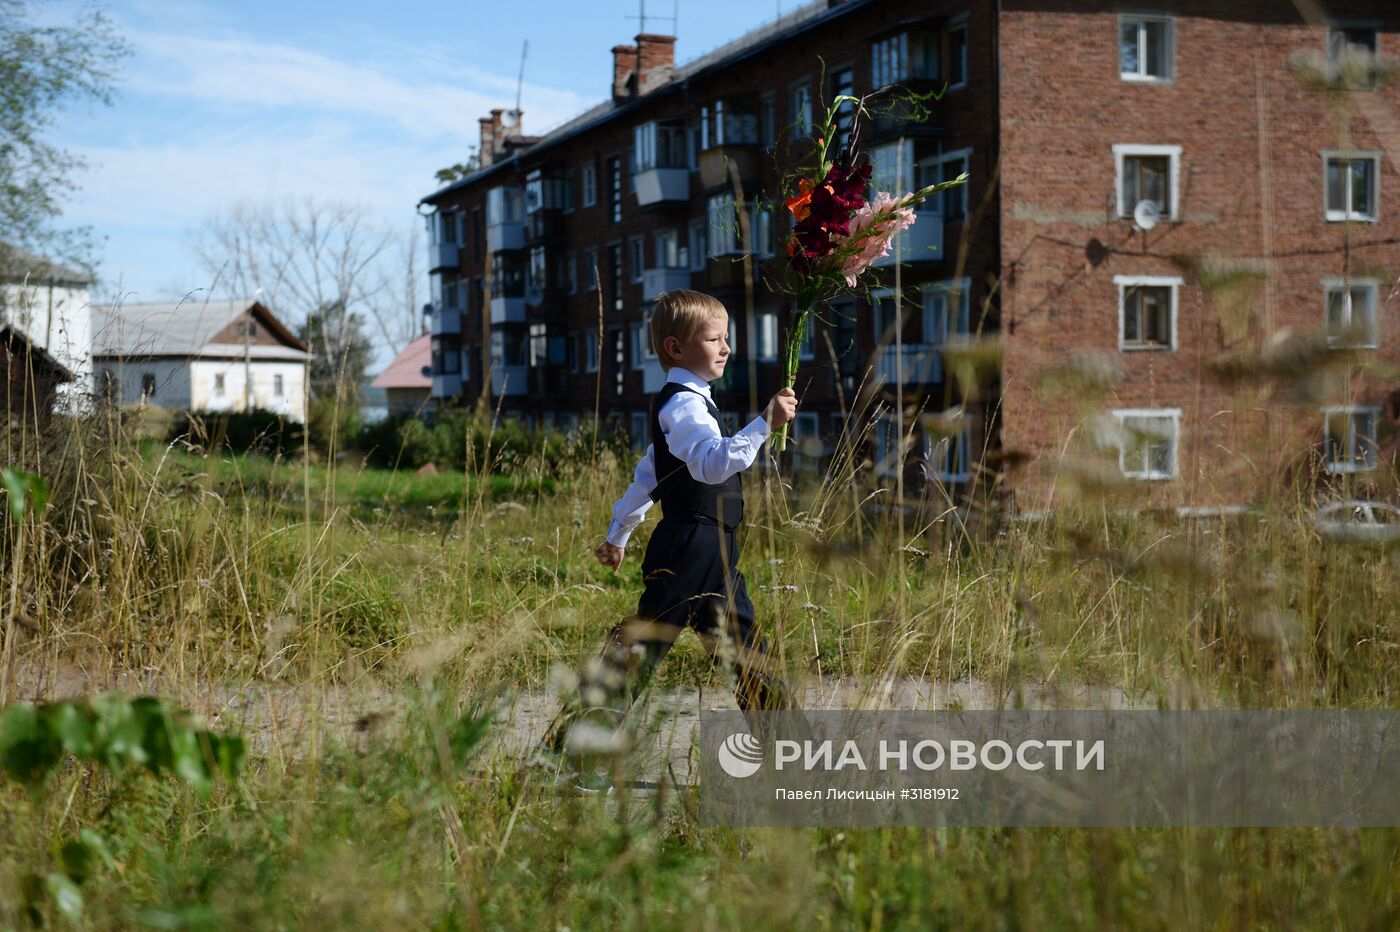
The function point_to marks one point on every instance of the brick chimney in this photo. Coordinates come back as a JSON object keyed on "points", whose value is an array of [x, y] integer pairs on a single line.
{"points": [[656, 61], [624, 69], [497, 132]]}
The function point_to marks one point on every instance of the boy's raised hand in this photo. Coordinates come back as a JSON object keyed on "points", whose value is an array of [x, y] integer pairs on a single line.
{"points": [[781, 409], [609, 555]]}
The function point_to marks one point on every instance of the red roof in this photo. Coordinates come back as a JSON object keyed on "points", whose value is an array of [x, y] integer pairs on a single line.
{"points": [[406, 371]]}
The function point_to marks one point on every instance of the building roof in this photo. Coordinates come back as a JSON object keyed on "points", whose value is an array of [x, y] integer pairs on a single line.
{"points": [[789, 24], [406, 371], [17, 265], [16, 343], [187, 329]]}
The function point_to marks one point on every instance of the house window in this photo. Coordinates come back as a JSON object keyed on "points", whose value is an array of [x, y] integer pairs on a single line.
{"points": [[1145, 48], [539, 269], [1351, 312], [946, 311], [447, 357], [667, 244], [807, 348], [636, 252], [843, 83], [1350, 438], [590, 185], [148, 385], [1146, 312], [278, 386], [571, 272], [889, 61], [767, 120], [638, 434], [1148, 447], [504, 205], [1351, 55], [590, 351], [618, 342], [726, 237], [614, 273], [218, 383], [802, 109], [698, 248], [957, 55], [765, 336], [1352, 185], [946, 458], [614, 170], [590, 270], [945, 167], [659, 144], [1147, 173]]}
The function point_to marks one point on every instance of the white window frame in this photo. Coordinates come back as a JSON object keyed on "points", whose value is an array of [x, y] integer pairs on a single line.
{"points": [[933, 455], [1122, 414], [1350, 412], [590, 350], [1341, 25], [636, 257], [1122, 151], [1124, 282], [1140, 77], [1372, 287], [764, 345], [1346, 215], [698, 242], [959, 24], [588, 176]]}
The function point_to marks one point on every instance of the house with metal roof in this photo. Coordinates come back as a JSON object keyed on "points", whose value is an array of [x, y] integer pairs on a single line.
{"points": [[46, 304], [211, 356]]}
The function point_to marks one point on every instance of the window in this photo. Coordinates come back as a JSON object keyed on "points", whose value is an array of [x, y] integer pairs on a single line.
{"points": [[726, 236], [1351, 312], [642, 350], [1352, 185], [807, 348], [546, 193], [765, 347], [667, 245], [698, 248], [590, 270], [1351, 55], [447, 358], [945, 458], [539, 344], [539, 269], [957, 55], [659, 144], [148, 385], [767, 120], [889, 61], [1350, 438], [1146, 312], [617, 340], [636, 252], [590, 185], [947, 309], [1145, 48], [507, 349], [945, 166], [802, 109], [504, 205], [614, 171], [219, 383], [638, 434], [278, 387], [614, 273], [571, 273], [1147, 173], [1148, 446], [843, 83]]}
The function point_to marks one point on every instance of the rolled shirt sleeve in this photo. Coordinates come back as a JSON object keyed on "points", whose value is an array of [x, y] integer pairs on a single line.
{"points": [[632, 507], [694, 437]]}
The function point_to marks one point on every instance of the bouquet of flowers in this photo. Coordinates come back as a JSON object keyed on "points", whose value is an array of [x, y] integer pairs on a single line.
{"points": [[838, 230]]}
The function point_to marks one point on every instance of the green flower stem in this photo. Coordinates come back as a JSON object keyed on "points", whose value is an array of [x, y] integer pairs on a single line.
{"points": [[790, 350]]}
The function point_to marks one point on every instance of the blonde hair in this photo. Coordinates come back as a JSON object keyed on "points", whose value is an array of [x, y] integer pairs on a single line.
{"points": [[680, 314]]}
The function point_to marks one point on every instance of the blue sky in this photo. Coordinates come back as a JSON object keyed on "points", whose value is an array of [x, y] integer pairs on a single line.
{"points": [[355, 100]]}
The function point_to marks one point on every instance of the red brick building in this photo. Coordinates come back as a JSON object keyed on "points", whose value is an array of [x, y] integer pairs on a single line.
{"points": [[1167, 186]]}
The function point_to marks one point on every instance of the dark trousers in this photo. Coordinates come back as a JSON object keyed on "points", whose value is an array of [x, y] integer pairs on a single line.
{"points": [[692, 580]]}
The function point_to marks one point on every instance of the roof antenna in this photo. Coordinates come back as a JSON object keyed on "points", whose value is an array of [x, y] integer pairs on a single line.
{"points": [[520, 81], [642, 17]]}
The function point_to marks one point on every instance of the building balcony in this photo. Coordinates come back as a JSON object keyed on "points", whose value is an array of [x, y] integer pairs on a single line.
{"points": [[655, 281], [544, 227], [503, 237], [445, 320], [718, 163], [447, 386], [510, 381], [663, 186], [443, 256], [508, 310], [921, 243], [908, 119], [922, 364]]}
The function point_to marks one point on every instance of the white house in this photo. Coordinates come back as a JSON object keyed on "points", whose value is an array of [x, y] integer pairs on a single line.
{"points": [[48, 304], [201, 356]]}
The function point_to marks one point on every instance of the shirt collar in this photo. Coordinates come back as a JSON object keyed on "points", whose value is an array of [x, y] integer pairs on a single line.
{"points": [[689, 380]]}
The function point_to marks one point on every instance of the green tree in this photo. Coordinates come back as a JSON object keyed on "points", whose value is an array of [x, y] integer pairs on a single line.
{"points": [[43, 69]]}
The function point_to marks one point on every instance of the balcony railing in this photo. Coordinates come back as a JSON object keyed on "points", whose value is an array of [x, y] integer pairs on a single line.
{"points": [[443, 256], [509, 381], [445, 320], [662, 185], [922, 364], [502, 237], [655, 281], [447, 386], [507, 310], [923, 242]]}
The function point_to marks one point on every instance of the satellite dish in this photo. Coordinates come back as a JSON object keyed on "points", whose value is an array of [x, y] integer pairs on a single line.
{"points": [[1146, 215]]}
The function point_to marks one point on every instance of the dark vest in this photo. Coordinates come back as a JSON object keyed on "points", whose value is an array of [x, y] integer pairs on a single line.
{"points": [[682, 498]]}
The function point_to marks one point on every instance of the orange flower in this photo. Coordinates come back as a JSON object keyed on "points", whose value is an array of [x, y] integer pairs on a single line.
{"points": [[799, 201]]}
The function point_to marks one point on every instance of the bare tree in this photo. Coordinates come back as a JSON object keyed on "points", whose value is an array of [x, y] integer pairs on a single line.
{"points": [[300, 257], [395, 310]]}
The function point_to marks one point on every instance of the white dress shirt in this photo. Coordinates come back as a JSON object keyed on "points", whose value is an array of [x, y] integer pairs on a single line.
{"points": [[693, 436]]}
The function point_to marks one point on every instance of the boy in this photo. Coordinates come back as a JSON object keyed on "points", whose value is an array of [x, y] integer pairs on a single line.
{"points": [[690, 570]]}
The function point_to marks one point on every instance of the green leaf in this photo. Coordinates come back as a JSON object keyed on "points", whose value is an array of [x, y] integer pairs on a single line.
{"points": [[16, 482], [67, 898], [73, 725]]}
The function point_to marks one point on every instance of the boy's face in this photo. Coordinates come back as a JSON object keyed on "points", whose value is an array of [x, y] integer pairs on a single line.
{"points": [[706, 352]]}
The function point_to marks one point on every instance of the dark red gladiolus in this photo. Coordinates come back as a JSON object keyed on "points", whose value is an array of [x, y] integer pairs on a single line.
{"points": [[827, 212]]}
